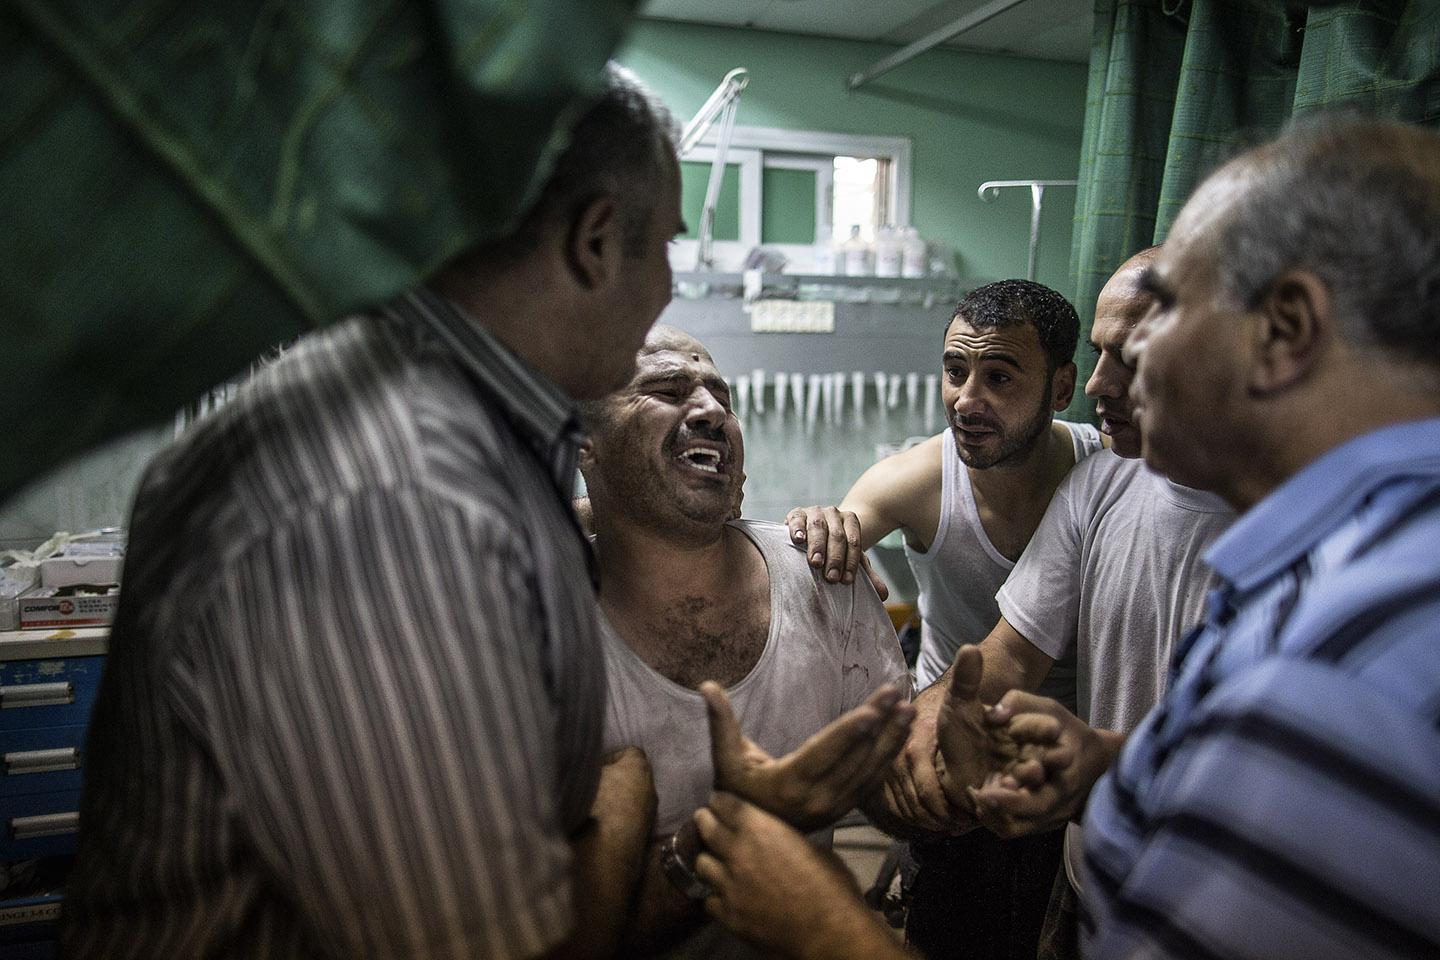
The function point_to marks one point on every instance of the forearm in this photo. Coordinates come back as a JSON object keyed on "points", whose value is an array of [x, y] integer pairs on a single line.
{"points": [[609, 857], [874, 525], [663, 915], [1107, 747], [1011, 663], [851, 932], [1111, 743], [1002, 674]]}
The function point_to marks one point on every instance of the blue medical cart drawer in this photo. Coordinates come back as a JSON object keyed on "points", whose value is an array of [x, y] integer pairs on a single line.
{"points": [[40, 761], [39, 824], [48, 693], [29, 926]]}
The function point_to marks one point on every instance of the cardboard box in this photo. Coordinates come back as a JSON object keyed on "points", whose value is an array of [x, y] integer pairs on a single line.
{"points": [[44, 609], [68, 570]]}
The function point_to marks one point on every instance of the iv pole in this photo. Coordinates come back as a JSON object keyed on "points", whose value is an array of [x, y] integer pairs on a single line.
{"points": [[722, 104], [990, 189]]}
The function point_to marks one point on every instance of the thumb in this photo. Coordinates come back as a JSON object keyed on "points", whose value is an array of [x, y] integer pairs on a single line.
{"points": [[876, 581], [726, 740], [969, 668]]}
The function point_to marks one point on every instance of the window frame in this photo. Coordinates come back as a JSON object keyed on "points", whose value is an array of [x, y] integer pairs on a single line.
{"points": [[755, 148]]}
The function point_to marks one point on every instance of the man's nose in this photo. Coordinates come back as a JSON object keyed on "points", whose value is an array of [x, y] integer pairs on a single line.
{"points": [[970, 397], [705, 409], [1109, 380]]}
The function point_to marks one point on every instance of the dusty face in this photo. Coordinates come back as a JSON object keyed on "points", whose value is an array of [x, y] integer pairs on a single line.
{"points": [[997, 392], [671, 447], [1191, 351], [1122, 304]]}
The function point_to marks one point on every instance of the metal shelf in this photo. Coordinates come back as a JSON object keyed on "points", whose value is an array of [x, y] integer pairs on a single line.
{"points": [[907, 291], [53, 642]]}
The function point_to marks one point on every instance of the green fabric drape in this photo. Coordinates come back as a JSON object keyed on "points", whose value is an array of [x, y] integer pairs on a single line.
{"points": [[187, 184], [1176, 88]]}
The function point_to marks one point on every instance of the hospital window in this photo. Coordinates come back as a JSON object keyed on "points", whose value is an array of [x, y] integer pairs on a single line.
{"points": [[776, 193]]}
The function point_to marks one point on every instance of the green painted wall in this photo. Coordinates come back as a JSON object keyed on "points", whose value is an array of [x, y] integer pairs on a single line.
{"points": [[970, 118], [788, 214]]}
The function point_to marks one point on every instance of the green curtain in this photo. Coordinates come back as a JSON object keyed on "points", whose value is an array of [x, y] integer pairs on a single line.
{"points": [[1178, 87], [188, 184]]}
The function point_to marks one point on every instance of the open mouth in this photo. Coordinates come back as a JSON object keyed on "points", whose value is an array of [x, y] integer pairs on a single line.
{"points": [[704, 459], [1110, 421], [974, 434]]}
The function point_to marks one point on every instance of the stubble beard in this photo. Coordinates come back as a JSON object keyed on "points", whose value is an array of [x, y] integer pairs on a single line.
{"points": [[1012, 447]]}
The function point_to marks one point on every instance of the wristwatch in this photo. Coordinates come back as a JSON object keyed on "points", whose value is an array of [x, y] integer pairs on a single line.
{"points": [[680, 874]]}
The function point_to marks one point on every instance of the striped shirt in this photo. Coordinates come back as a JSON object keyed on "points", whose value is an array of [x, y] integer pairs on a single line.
{"points": [[1283, 800], [354, 695]]}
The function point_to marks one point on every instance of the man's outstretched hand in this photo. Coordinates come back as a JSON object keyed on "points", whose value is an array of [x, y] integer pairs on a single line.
{"points": [[951, 750], [822, 779], [913, 793], [971, 748]]}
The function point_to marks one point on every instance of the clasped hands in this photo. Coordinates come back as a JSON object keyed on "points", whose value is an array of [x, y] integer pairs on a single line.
{"points": [[1021, 765]]}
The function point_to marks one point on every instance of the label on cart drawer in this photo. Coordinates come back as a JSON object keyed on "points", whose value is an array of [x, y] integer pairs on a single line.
{"points": [[29, 913]]}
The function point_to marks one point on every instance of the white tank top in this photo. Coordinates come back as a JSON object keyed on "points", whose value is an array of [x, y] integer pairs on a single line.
{"points": [[962, 571]]}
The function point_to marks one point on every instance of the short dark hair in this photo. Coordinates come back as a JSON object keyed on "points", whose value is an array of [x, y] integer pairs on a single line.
{"points": [[622, 144], [1013, 303], [1357, 203]]}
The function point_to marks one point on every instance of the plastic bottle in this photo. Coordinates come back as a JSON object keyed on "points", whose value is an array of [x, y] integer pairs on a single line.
{"points": [[887, 252], [912, 253], [857, 254], [826, 257]]}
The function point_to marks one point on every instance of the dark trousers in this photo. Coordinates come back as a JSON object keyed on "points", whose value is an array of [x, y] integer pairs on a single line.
{"points": [[1060, 934], [979, 897]]}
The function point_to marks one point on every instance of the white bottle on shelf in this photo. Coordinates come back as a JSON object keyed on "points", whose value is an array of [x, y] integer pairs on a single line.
{"points": [[887, 252], [827, 256], [857, 254], [912, 253]]}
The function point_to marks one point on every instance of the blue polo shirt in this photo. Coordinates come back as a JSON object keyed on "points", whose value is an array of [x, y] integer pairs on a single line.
{"points": [[1283, 799]]}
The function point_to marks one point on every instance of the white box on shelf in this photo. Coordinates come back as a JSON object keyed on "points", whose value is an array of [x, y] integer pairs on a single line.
{"points": [[67, 570], [792, 316]]}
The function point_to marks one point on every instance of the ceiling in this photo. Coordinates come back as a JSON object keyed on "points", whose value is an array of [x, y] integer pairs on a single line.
{"points": [[1046, 29]]}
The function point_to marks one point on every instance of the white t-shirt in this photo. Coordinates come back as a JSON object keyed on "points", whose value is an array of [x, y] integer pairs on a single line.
{"points": [[1114, 571]]}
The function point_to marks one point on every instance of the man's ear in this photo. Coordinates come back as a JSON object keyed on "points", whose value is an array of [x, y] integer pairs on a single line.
{"points": [[1062, 387], [587, 456], [1295, 325], [592, 247]]}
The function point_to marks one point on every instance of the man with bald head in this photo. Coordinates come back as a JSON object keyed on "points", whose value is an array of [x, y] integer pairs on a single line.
{"points": [[1281, 800], [702, 609]]}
